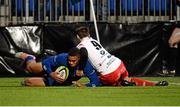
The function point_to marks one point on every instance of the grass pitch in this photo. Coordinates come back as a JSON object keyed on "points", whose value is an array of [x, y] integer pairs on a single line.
{"points": [[13, 94]]}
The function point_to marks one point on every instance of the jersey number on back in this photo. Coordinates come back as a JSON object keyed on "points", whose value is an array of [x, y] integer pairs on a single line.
{"points": [[98, 47]]}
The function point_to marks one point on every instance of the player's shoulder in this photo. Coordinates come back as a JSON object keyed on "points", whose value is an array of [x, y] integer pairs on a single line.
{"points": [[62, 54], [88, 65], [80, 45]]}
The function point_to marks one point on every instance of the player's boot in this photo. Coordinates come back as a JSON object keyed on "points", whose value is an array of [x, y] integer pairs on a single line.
{"points": [[127, 83], [162, 83]]}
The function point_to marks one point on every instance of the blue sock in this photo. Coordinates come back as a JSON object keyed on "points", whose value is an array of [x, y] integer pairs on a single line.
{"points": [[29, 58]]}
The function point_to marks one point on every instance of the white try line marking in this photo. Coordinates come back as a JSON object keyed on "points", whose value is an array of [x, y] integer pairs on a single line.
{"points": [[174, 83]]}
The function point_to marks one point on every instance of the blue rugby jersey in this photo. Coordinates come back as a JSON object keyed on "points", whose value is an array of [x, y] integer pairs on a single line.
{"points": [[51, 63]]}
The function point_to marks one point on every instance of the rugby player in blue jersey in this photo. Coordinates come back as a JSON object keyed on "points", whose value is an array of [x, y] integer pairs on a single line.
{"points": [[71, 60]]}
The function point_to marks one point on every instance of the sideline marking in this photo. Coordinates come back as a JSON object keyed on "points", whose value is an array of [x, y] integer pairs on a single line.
{"points": [[174, 83]]}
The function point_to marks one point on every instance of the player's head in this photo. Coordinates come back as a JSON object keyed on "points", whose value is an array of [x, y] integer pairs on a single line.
{"points": [[74, 57], [82, 32]]}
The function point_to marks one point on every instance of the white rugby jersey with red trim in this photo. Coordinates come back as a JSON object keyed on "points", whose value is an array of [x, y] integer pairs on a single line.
{"points": [[102, 60]]}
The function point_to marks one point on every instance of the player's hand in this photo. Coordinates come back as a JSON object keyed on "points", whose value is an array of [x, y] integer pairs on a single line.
{"points": [[79, 73], [78, 84], [55, 76]]}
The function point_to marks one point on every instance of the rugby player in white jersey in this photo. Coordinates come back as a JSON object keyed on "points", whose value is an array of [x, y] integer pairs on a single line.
{"points": [[111, 69]]}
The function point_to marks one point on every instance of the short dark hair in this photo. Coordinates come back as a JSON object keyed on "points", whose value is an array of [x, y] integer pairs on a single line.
{"points": [[82, 31], [74, 51], [82, 28]]}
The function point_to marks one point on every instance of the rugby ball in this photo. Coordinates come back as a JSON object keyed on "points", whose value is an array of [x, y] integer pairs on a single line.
{"points": [[63, 72]]}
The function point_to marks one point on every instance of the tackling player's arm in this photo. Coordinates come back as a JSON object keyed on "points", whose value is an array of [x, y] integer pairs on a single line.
{"points": [[48, 64], [82, 62]]}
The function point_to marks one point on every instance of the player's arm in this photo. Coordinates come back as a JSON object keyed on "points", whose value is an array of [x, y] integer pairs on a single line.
{"points": [[53, 61], [94, 81], [83, 60], [78, 84], [90, 72], [48, 64]]}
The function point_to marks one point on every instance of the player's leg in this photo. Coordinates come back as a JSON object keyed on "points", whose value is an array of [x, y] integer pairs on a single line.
{"points": [[34, 67], [25, 56], [116, 77], [142, 82], [30, 62], [126, 81], [110, 79], [34, 82]]}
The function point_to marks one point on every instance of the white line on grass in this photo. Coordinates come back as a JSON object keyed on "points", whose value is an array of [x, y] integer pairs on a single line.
{"points": [[174, 83]]}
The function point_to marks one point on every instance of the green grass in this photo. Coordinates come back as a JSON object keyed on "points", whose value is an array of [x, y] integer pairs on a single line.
{"points": [[13, 94]]}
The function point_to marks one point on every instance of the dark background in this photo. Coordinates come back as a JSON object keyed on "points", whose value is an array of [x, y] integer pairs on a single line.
{"points": [[143, 47]]}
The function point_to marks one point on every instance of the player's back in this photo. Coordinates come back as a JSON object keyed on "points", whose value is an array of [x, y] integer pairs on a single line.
{"points": [[102, 60]]}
